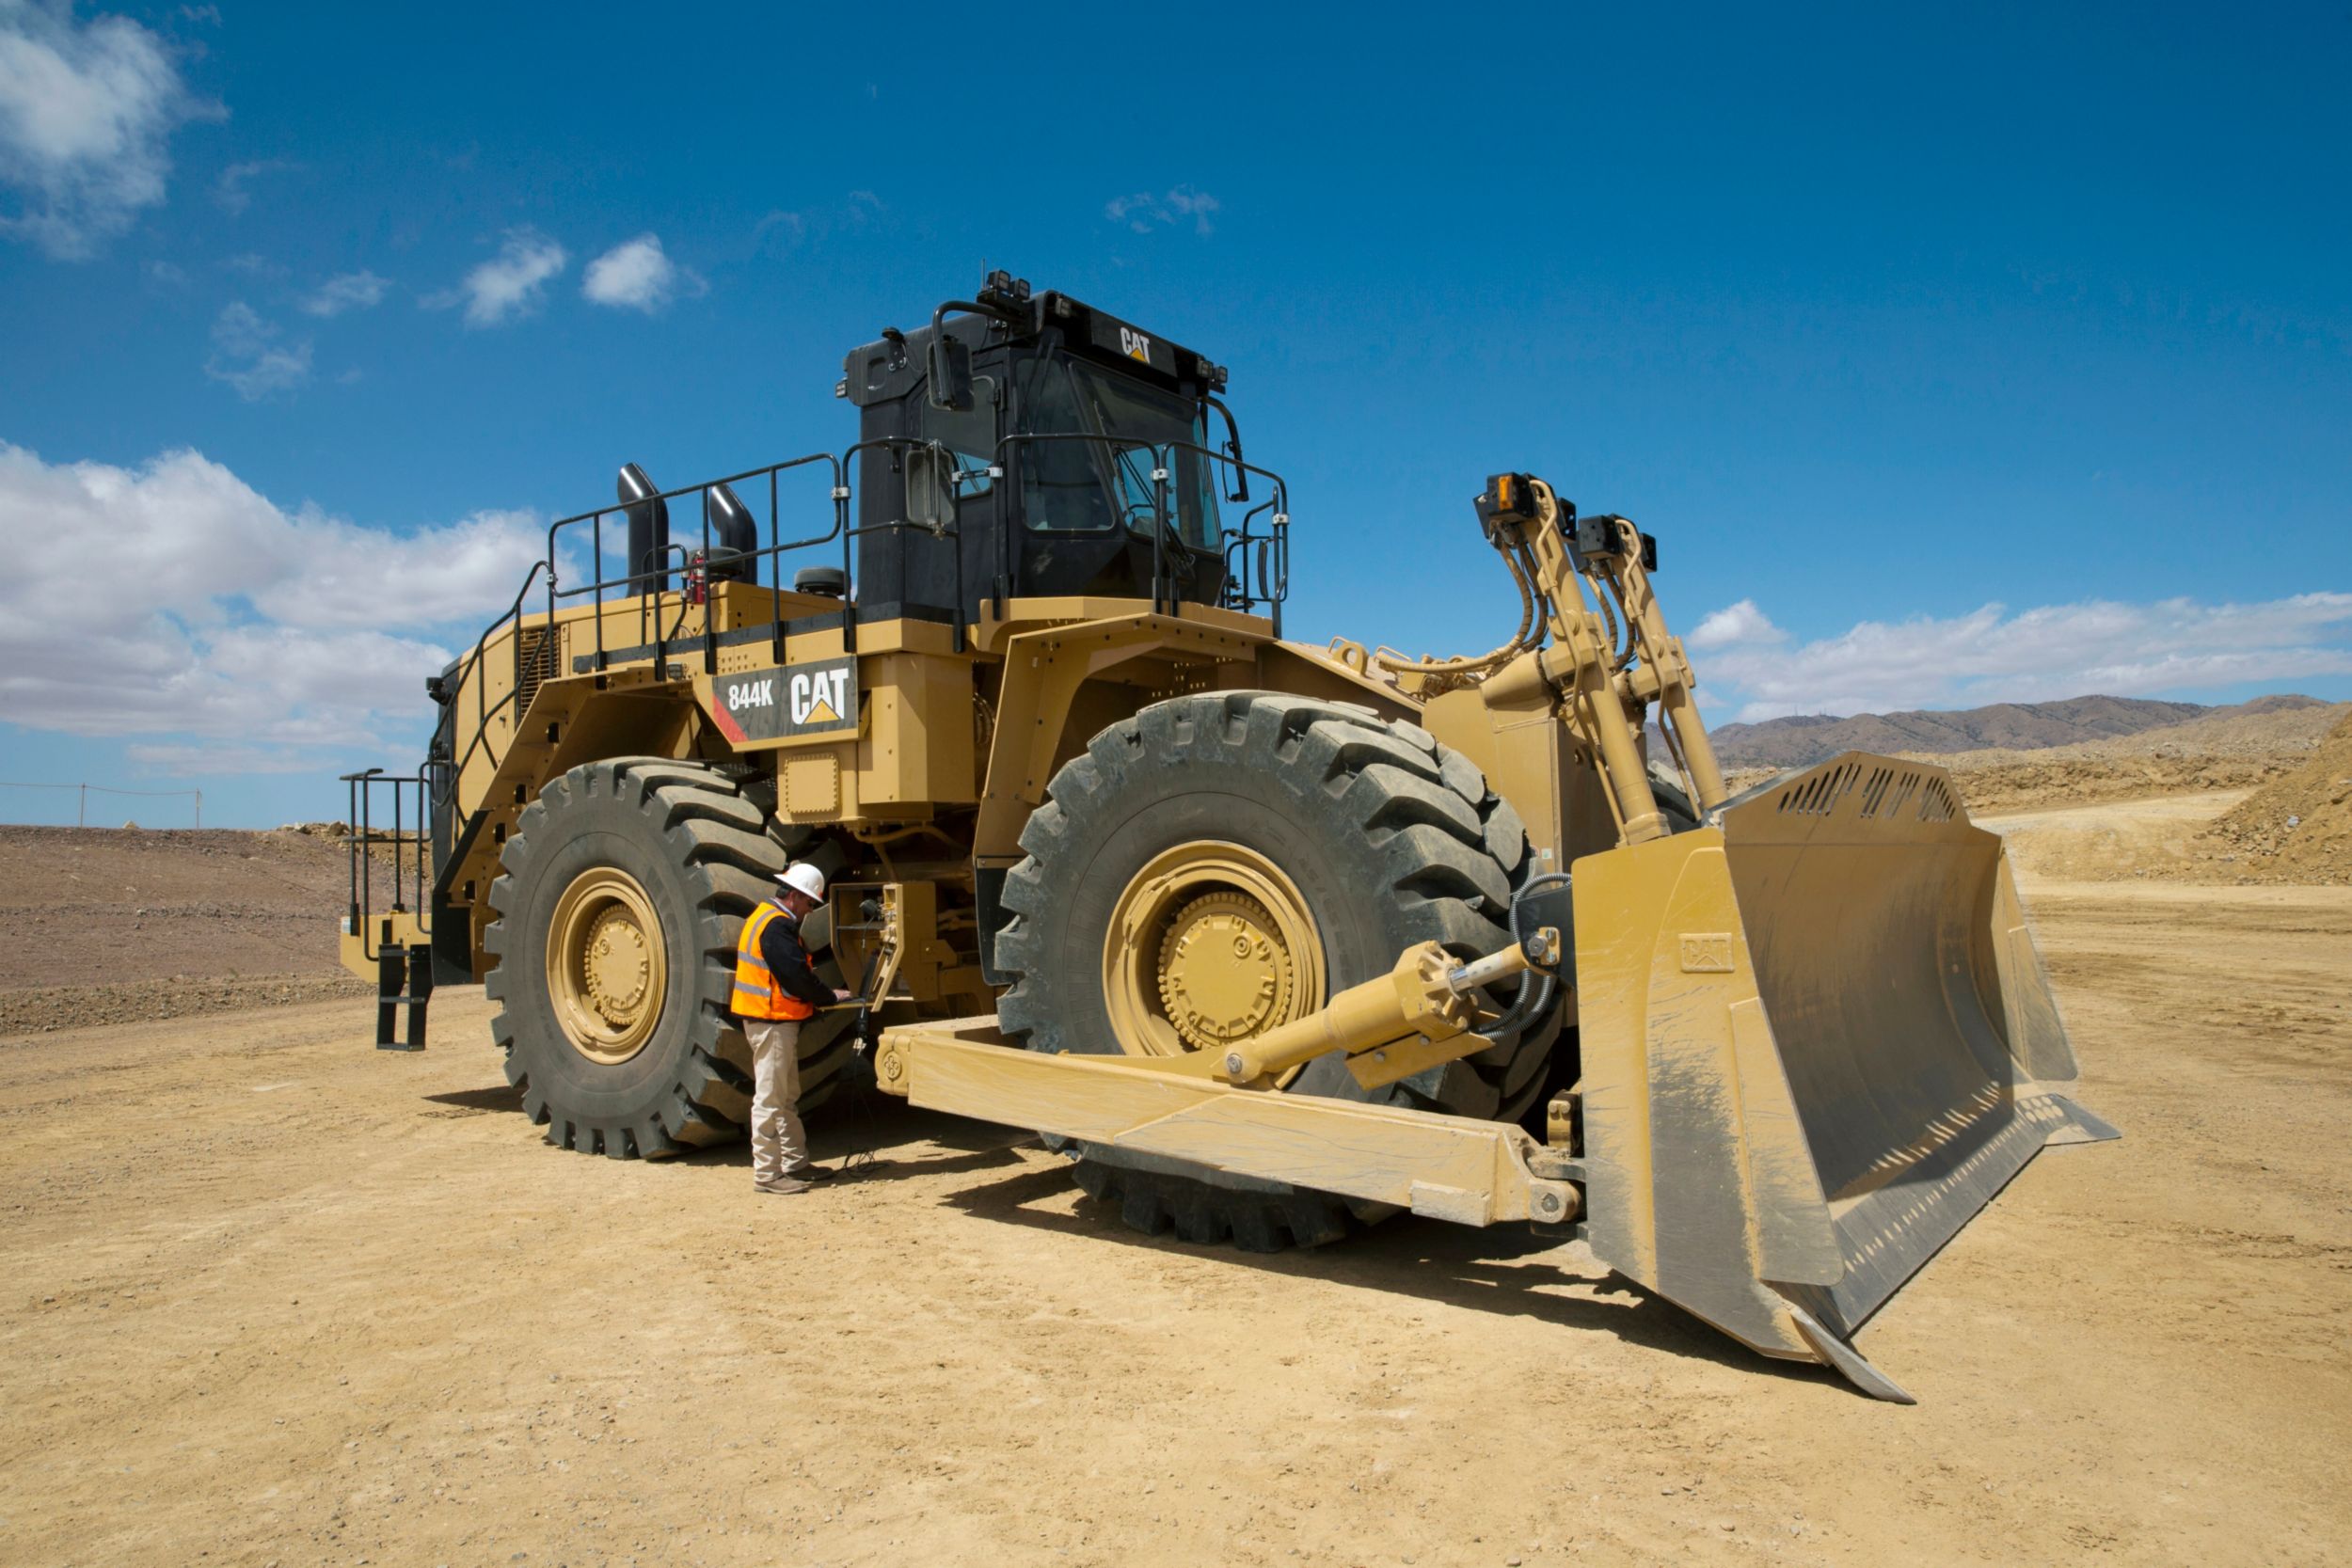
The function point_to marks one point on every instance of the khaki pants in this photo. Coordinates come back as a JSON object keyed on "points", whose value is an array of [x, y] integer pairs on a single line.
{"points": [[778, 1142]]}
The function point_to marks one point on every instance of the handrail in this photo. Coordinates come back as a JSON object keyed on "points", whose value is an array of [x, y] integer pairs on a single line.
{"points": [[600, 584], [473, 663], [1271, 593], [1278, 536], [362, 838], [949, 529]]}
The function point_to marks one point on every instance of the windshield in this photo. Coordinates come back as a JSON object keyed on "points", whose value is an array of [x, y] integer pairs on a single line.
{"points": [[1066, 488]]}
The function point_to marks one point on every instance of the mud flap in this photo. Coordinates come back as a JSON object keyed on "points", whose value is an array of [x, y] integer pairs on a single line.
{"points": [[1817, 1041]]}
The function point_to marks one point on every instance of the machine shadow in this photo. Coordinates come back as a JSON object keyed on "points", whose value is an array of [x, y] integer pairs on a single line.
{"points": [[869, 1135], [1417, 1259], [498, 1096]]}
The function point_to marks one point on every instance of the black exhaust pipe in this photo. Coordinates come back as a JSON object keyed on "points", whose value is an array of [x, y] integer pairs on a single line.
{"points": [[733, 537], [648, 531]]}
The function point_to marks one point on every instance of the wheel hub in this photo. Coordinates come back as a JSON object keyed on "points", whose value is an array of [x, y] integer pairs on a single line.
{"points": [[1211, 943], [607, 965], [618, 966], [1225, 971]]}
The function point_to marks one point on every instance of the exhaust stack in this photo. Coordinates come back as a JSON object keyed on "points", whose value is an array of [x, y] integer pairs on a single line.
{"points": [[648, 530]]}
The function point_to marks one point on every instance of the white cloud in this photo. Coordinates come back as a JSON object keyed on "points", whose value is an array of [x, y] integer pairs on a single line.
{"points": [[1991, 655], [86, 112], [247, 355], [350, 291], [780, 230], [783, 231], [229, 191], [1734, 624], [1144, 212], [637, 275], [235, 629], [508, 284], [252, 263]]}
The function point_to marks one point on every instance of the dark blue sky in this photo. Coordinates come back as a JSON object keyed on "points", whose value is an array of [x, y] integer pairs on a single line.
{"points": [[1878, 317]]}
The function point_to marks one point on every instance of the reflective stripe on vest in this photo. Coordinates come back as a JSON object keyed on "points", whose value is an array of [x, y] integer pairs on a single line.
{"points": [[757, 993]]}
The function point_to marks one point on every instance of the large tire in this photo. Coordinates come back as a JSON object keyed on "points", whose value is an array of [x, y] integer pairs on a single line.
{"points": [[1388, 838], [685, 844]]}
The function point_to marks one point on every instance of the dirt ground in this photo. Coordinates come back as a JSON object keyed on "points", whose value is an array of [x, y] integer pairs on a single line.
{"points": [[274, 1298]]}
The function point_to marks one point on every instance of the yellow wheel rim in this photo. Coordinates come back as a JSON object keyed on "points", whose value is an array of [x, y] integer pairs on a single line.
{"points": [[1210, 943], [607, 968]]}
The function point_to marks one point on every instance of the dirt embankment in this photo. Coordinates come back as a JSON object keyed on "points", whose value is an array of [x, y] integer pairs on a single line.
{"points": [[116, 925], [2242, 748], [2298, 828], [2236, 749], [2295, 829]]}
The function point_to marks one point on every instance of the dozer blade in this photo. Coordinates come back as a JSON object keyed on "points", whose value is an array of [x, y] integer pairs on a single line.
{"points": [[1816, 1041]]}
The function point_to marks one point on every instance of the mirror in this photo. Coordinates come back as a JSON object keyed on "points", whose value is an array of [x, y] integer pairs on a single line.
{"points": [[930, 487], [1232, 449], [952, 373]]}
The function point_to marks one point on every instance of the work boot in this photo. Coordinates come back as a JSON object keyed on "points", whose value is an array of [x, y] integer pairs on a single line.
{"points": [[811, 1173], [783, 1187]]}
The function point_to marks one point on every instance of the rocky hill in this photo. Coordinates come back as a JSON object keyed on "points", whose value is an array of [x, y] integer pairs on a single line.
{"points": [[1802, 739]]}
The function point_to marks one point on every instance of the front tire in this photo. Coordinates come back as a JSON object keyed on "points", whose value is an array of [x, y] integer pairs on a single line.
{"points": [[1222, 864]]}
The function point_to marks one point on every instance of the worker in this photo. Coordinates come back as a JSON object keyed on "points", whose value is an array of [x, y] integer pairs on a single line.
{"points": [[775, 987]]}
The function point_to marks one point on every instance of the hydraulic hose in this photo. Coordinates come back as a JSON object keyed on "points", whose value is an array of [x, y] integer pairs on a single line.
{"points": [[1542, 986], [1396, 663]]}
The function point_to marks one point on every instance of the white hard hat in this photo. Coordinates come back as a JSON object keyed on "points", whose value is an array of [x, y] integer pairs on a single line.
{"points": [[801, 876]]}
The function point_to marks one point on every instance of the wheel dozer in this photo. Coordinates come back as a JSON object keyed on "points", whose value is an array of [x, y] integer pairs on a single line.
{"points": [[1272, 940]]}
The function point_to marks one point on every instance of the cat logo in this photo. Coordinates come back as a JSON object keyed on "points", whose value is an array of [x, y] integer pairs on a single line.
{"points": [[1134, 344], [817, 697]]}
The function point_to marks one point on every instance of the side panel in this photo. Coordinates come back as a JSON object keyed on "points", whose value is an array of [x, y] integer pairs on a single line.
{"points": [[918, 748], [1533, 760]]}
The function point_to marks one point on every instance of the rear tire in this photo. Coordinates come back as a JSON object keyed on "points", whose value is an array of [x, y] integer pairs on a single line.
{"points": [[1386, 838], [641, 870]]}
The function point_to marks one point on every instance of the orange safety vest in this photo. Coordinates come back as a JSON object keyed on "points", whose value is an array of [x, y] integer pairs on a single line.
{"points": [[757, 993]]}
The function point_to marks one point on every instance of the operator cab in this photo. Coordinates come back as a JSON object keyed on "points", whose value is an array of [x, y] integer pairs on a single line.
{"points": [[1020, 435]]}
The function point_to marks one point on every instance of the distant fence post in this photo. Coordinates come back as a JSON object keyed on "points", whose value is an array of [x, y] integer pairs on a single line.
{"points": [[82, 794]]}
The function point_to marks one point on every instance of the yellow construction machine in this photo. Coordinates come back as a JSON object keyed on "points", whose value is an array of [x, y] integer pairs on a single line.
{"points": [[1271, 939]]}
